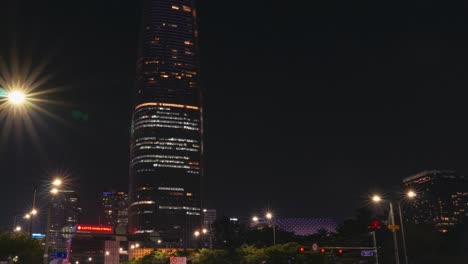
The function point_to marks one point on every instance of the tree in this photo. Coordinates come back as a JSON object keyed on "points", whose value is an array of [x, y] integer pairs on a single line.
{"points": [[19, 244]]}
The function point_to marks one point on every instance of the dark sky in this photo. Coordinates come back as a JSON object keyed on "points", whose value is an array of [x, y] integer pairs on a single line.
{"points": [[309, 105]]}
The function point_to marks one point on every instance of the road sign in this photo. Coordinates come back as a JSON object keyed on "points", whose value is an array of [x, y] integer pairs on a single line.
{"points": [[178, 260], [367, 253], [314, 247], [394, 227], [58, 254]]}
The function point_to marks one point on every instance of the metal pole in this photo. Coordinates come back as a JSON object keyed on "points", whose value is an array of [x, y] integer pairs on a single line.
{"points": [[274, 233], [395, 242], [14, 222], [403, 233], [33, 208], [375, 248], [47, 237]]}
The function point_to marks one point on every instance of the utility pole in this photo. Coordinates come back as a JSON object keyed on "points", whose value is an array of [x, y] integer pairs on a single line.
{"points": [[395, 242], [47, 237], [32, 215], [375, 248], [403, 233]]}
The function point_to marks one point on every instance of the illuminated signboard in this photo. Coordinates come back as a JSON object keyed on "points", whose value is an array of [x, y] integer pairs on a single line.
{"points": [[37, 235], [94, 229]]}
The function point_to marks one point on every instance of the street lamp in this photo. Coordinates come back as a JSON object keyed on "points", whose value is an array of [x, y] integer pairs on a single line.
{"points": [[27, 216], [18, 228], [255, 219], [378, 199], [269, 216], [57, 182], [410, 195], [196, 233], [16, 97]]}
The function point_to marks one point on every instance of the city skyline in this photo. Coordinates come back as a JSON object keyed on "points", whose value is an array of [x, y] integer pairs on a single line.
{"points": [[285, 99]]}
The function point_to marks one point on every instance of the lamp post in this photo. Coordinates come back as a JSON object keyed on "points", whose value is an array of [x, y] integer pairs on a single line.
{"points": [[378, 199], [410, 195], [53, 191], [33, 212], [269, 216]]}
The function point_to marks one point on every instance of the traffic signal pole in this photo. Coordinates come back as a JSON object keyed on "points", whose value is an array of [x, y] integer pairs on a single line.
{"points": [[375, 248], [395, 242]]}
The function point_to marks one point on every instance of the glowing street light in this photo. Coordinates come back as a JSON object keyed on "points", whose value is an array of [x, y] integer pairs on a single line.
{"points": [[411, 194], [54, 191], [27, 216], [255, 219], [16, 97], [269, 215], [18, 228], [107, 253], [196, 233], [159, 241], [132, 246], [376, 199], [57, 182]]}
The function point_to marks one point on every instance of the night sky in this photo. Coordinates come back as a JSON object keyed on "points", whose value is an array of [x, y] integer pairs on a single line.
{"points": [[309, 105]]}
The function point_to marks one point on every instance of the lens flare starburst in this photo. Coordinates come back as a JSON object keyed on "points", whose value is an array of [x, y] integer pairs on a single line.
{"points": [[24, 98]]}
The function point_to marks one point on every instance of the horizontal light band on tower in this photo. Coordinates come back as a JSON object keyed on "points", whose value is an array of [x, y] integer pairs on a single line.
{"points": [[167, 105]]}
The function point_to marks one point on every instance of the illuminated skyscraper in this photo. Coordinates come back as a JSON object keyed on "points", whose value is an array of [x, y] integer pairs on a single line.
{"points": [[114, 209], [440, 200], [166, 137]]}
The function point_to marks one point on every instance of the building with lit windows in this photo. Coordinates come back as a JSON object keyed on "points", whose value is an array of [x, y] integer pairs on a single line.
{"points": [[114, 209], [440, 200], [65, 213], [166, 134], [209, 216]]}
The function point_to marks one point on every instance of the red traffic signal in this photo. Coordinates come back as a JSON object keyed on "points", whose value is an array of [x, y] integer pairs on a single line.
{"points": [[340, 251], [301, 249], [374, 225], [322, 250]]}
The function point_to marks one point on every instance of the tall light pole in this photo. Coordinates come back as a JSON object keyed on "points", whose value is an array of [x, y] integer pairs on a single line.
{"points": [[378, 199], [410, 195], [53, 191], [269, 216], [33, 212]]}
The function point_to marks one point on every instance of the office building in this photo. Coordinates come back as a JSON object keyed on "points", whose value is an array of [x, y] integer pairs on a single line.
{"points": [[166, 133], [440, 199], [65, 213], [209, 216], [114, 209]]}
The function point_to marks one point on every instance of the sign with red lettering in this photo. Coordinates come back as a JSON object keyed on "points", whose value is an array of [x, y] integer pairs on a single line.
{"points": [[178, 260], [94, 229]]}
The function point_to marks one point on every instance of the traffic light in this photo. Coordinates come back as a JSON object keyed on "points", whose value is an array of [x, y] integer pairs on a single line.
{"points": [[374, 225], [340, 251], [301, 249], [322, 250]]}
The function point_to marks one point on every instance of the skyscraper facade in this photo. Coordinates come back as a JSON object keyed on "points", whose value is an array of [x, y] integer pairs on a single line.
{"points": [[114, 209], [166, 134], [65, 213], [440, 200]]}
